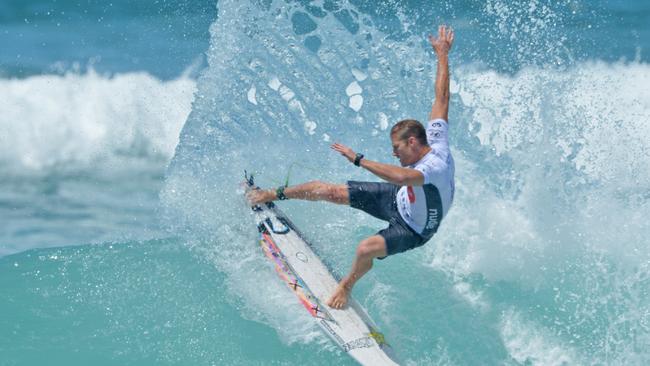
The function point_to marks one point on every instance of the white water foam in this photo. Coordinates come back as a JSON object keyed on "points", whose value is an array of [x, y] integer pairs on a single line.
{"points": [[530, 344], [79, 119], [553, 198], [566, 147]]}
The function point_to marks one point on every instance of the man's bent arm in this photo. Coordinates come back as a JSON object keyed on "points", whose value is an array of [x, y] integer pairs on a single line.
{"points": [[441, 46], [394, 174]]}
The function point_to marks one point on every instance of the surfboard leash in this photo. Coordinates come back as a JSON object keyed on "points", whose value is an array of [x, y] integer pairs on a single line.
{"points": [[250, 180]]}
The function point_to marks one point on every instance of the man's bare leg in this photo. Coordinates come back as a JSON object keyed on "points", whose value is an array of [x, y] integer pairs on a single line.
{"points": [[311, 191], [368, 249]]}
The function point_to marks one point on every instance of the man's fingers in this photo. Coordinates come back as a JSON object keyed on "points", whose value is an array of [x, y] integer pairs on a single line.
{"points": [[339, 148], [434, 41], [445, 34]]}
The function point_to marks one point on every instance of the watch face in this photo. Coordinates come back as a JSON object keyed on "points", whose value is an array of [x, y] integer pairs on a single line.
{"points": [[358, 158]]}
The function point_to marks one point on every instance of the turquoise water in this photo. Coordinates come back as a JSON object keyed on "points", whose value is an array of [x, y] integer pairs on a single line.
{"points": [[126, 129]]}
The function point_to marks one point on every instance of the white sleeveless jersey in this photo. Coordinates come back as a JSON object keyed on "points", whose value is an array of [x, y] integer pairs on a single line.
{"points": [[423, 207]]}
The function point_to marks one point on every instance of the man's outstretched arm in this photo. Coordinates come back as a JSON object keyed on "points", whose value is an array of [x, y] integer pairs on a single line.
{"points": [[391, 173], [441, 46]]}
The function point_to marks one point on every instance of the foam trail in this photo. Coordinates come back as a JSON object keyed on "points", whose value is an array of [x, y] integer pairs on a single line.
{"points": [[528, 344]]}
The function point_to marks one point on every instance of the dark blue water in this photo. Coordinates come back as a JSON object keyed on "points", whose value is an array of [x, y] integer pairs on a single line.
{"points": [[159, 37], [165, 37]]}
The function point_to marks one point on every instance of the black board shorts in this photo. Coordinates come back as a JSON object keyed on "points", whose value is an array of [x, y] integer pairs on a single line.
{"points": [[378, 200]]}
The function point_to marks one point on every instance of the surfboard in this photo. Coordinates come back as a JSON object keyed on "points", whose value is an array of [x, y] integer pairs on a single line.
{"points": [[312, 282]]}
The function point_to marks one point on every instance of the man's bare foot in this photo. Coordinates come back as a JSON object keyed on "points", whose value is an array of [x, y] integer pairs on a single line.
{"points": [[340, 297], [257, 196]]}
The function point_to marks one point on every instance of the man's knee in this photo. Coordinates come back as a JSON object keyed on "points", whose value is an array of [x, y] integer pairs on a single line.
{"points": [[372, 247], [340, 193], [332, 192], [319, 188]]}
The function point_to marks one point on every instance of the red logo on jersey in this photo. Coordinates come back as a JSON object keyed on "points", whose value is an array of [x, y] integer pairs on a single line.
{"points": [[411, 194]]}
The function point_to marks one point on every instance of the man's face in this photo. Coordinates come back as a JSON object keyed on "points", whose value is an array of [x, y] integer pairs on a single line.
{"points": [[404, 150]]}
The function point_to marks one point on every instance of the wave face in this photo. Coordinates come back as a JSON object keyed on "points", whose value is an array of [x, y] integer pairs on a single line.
{"points": [[542, 260], [145, 303]]}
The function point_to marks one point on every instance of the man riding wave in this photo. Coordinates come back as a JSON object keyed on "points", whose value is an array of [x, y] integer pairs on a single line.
{"points": [[418, 194]]}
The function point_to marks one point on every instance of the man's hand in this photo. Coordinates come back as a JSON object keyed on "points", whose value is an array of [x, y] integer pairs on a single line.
{"points": [[345, 151], [259, 196], [442, 44]]}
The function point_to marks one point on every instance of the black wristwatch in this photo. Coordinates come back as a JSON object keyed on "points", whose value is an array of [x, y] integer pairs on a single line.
{"points": [[280, 193], [357, 159]]}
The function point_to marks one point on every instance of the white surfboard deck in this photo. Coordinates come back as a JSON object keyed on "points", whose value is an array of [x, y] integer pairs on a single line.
{"points": [[306, 275]]}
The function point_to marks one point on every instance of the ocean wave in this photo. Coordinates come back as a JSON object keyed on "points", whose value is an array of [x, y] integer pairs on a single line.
{"points": [[81, 119], [550, 165]]}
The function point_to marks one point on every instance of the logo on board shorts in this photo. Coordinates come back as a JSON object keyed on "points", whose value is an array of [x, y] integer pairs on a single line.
{"points": [[411, 194], [432, 219]]}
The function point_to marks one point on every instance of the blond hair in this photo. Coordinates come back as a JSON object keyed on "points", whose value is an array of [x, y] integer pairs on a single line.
{"points": [[410, 128]]}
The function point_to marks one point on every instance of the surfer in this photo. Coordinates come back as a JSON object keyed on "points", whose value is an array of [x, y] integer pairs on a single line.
{"points": [[418, 193]]}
